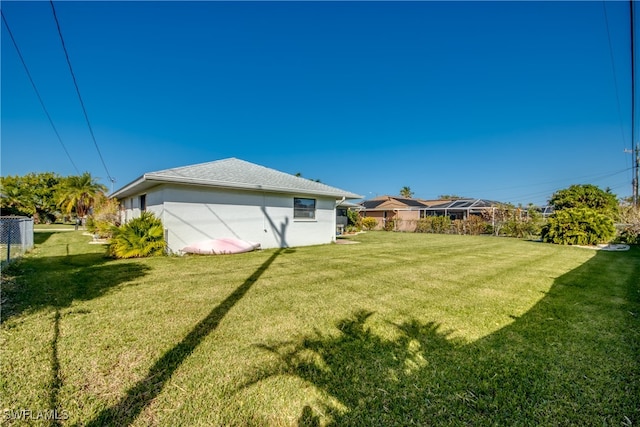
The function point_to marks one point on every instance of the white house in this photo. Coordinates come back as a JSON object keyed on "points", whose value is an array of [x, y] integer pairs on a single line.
{"points": [[235, 198]]}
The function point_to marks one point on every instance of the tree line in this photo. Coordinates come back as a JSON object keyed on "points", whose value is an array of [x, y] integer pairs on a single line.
{"points": [[48, 197]]}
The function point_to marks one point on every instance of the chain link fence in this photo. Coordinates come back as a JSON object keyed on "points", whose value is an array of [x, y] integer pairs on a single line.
{"points": [[16, 237]]}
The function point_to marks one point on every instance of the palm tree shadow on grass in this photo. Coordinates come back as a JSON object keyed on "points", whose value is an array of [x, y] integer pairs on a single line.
{"points": [[142, 394], [552, 366], [55, 282]]}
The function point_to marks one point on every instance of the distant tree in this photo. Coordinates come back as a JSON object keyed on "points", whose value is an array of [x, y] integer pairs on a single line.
{"points": [[586, 196], [450, 197], [299, 175], [406, 192], [77, 194], [30, 195], [13, 200]]}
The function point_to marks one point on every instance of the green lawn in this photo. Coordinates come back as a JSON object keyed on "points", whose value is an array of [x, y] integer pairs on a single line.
{"points": [[400, 329], [53, 227]]}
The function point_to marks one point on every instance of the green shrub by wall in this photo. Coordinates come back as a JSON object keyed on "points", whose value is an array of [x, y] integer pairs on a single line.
{"points": [[578, 226]]}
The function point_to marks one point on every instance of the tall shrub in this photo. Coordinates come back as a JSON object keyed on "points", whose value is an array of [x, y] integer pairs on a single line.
{"points": [[586, 196], [578, 226], [140, 237]]}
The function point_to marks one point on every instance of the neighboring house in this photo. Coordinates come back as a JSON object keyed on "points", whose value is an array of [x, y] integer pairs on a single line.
{"points": [[459, 208], [235, 198], [400, 212], [342, 218], [404, 213]]}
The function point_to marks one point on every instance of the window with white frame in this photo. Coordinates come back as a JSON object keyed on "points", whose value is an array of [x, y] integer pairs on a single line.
{"points": [[304, 208]]}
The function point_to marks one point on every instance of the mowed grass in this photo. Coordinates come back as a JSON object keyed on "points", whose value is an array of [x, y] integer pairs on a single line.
{"points": [[399, 329]]}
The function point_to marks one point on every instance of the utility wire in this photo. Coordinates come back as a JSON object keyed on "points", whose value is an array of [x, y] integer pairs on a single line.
{"points": [[558, 181], [613, 68], [634, 143], [548, 191], [26, 69], [75, 83]]}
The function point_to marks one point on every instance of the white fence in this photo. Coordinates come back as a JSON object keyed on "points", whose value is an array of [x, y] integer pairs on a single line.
{"points": [[16, 237]]}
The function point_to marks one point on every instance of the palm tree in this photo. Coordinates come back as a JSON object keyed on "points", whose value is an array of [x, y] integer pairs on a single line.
{"points": [[78, 194], [140, 237], [406, 192]]}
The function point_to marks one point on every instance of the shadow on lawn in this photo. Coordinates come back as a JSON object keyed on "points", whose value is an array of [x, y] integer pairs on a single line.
{"points": [[39, 237], [142, 394], [572, 359], [57, 281]]}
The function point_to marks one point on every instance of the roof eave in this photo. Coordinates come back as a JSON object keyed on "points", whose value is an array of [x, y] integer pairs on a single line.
{"points": [[138, 185]]}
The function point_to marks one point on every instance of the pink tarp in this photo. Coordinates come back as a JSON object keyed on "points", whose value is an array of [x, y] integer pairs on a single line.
{"points": [[221, 246]]}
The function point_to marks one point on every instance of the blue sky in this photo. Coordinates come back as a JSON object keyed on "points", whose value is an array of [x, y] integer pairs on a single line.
{"points": [[507, 101]]}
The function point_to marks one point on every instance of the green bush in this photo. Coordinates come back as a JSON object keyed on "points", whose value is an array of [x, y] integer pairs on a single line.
{"points": [[475, 225], [586, 196], [458, 226], [389, 224], [369, 223], [140, 237], [441, 224], [434, 224], [521, 228], [354, 219], [629, 229], [630, 234], [578, 226], [424, 225]]}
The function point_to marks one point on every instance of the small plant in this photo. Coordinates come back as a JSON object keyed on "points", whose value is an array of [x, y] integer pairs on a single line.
{"points": [[140, 237], [578, 226], [351, 229]]}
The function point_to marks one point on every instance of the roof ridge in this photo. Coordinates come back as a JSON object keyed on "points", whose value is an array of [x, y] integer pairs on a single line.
{"points": [[237, 173]]}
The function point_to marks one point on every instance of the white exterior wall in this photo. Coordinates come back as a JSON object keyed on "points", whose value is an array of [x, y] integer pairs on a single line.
{"points": [[192, 214]]}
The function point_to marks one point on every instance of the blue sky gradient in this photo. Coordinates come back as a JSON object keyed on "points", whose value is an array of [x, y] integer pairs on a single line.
{"points": [[507, 101]]}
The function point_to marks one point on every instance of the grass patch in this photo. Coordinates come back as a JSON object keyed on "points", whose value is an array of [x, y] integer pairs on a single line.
{"points": [[55, 226], [400, 329]]}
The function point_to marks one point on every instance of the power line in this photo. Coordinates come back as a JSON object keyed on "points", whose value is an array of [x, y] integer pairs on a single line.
{"points": [[560, 181], [75, 83], [634, 143], [550, 187], [26, 69], [613, 68]]}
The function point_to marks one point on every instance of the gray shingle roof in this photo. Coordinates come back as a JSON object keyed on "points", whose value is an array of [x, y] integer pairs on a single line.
{"points": [[234, 173]]}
